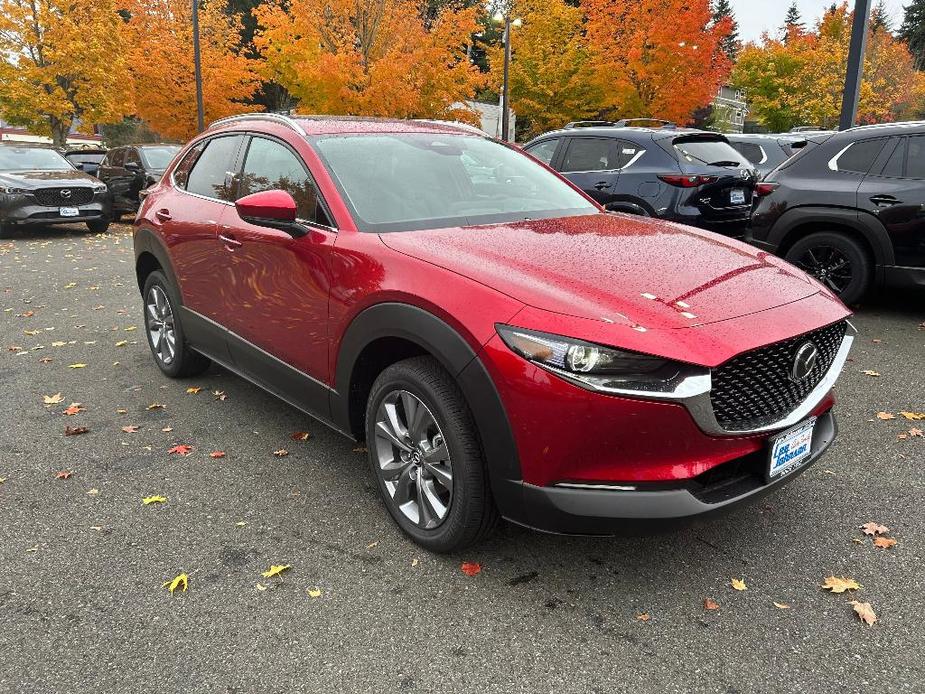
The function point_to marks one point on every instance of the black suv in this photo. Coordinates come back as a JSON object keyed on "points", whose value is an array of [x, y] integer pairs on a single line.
{"points": [[767, 152], [39, 186], [683, 175], [851, 210], [129, 169]]}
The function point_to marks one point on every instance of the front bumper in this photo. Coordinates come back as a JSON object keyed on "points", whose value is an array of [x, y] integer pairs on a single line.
{"points": [[648, 508], [25, 211]]}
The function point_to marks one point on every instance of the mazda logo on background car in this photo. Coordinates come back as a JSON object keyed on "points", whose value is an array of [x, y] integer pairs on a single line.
{"points": [[65, 193], [803, 362]]}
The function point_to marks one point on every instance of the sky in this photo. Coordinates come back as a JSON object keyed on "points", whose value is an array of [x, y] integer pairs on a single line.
{"points": [[756, 16]]}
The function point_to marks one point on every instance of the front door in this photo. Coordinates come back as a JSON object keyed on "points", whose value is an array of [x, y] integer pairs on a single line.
{"points": [[278, 284]]}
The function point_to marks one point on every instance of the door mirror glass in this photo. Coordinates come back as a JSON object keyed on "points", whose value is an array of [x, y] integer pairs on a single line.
{"points": [[275, 209]]}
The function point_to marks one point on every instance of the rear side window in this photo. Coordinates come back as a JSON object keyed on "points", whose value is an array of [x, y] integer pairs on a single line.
{"points": [[545, 150], [896, 164], [627, 153], [117, 157], [213, 166], [272, 166], [131, 157], [858, 157], [754, 153], [701, 151], [588, 154], [915, 160]]}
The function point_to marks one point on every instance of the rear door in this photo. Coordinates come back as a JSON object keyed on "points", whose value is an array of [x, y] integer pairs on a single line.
{"points": [[591, 163], [895, 193]]}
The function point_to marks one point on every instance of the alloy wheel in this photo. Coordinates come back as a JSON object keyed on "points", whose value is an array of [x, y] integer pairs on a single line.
{"points": [[413, 459], [161, 329], [828, 265]]}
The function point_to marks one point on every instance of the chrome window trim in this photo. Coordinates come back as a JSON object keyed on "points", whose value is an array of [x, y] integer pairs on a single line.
{"points": [[692, 390], [833, 162], [622, 168], [764, 154]]}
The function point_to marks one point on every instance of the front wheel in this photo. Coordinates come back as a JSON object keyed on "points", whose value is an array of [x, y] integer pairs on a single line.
{"points": [[426, 456], [171, 352], [98, 226], [836, 260]]}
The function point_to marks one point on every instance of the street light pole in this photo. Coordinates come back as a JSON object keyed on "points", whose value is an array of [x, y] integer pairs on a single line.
{"points": [[197, 69], [851, 95], [505, 89]]}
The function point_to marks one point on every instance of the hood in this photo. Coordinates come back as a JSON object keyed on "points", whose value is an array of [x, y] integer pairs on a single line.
{"points": [[42, 179], [613, 267]]}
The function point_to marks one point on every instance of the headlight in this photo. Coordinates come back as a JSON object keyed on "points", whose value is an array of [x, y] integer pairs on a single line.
{"points": [[13, 191], [598, 367], [99, 187]]}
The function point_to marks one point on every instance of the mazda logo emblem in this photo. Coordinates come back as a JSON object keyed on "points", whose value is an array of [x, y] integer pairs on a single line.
{"points": [[803, 362], [65, 193]]}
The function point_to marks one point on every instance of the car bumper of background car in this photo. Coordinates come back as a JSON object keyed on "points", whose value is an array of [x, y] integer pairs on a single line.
{"points": [[28, 213], [593, 463]]}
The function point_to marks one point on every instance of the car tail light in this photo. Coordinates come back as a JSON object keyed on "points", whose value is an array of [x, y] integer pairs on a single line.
{"points": [[682, 181], [762, 189]]}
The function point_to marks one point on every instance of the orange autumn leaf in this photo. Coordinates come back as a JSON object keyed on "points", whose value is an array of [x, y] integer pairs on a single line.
{"points": [[217, 454], [884, 542], [75, 431], [874, 529], [471, 568], [180, 449], [72, 409], [710, 604], [841, 584], [63, 475]]}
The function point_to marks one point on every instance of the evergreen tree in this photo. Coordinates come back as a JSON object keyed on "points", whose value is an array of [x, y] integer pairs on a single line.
{"points": [[912, 31], [880, 18], [730, 44], [793, 21]]}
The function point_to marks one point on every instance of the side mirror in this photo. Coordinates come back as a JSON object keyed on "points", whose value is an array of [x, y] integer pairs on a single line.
{"points": [[275, 209], [132, 166], [79, 165]]}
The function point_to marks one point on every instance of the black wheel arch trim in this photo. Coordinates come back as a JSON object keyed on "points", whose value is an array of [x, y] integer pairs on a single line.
{"points": [[412, 323], [868, 226], [147, 241], [630, 207]]}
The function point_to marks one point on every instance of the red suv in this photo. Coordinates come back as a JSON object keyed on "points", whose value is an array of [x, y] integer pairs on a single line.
{"points": [[505, 347]]}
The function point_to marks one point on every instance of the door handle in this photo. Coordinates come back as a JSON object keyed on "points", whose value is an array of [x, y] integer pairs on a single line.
{"points": [[230, 241], [163, 214], [600, 185], [884, 200]]}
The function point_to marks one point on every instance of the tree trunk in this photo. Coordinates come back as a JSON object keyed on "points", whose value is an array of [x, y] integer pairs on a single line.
{"points": [[59, 131]]}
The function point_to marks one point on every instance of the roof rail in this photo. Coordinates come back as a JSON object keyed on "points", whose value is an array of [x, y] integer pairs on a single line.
{"points": [[588, 124], [274, 117], [466, 127], [629, 122]]}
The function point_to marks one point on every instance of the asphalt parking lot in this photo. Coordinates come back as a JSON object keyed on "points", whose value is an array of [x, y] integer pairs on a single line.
{"points": [[83, 561]]}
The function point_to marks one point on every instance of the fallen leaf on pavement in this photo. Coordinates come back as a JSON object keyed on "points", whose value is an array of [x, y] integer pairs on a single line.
{"points": [[865, 612], [710, 604], [915, 431], [155, 406], [217, 454], [874, 529], [913, 415], [644, 617], [181, 582], [2, 480], [219, 394], [260, 586], [73, 409], [781, 605], [868, 372], [76, 366], [275, 570], [156, 499], [167, 430], [471, 568], [372, 544], [180, 449], [93, 492], [281, 453], [121, 343], [53, 399], [193, 390], [360, 449], [300, 436], [63, 475], [884, 542], [886, 415], [130, 429], [314, 593], [415, 562], [840, 584], [75, 431], [738, 584]]}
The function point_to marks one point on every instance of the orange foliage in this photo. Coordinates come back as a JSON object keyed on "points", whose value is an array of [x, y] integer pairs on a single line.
{"points": [[159, 44], [657, 58], [368, 57]]}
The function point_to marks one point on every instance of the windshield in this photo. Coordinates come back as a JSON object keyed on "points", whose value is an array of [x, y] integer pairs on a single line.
{"points": [[715, 152], [404, 182], [86, 157], [158, 157], [32, 159]]}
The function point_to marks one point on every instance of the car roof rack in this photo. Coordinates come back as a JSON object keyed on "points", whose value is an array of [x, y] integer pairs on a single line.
{"points": [[280, 118], [589, 124], [465, 127], [631, 123]]}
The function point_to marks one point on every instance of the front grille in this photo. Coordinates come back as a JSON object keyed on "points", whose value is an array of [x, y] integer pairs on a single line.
{"points": [[72, 196], [755, 389]]}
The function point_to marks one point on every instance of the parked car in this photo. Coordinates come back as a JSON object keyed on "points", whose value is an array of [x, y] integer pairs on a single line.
{"points": [[766, 152], [505, 347], [86, 159], [38, 186], [850, 210], [682, 175], [129, 169]]}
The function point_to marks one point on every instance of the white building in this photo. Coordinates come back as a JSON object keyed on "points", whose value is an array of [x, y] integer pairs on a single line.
{"points": [[730, 109]]}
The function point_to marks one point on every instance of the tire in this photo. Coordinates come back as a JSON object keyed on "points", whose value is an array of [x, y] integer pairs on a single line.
{"points": [[181, 361], [6, 231], [98, 226], [836, 260], [470, 513]]}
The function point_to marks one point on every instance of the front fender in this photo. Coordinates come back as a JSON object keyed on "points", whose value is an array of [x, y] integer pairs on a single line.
{"points": [[865, 224]]}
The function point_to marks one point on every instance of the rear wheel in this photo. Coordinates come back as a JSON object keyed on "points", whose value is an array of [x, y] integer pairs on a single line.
{"points": [[427, 458], [165, 334], [98, 226], [836, 260]]}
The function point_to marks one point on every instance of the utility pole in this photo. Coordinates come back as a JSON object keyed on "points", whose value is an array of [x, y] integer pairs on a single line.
{"points": [[505, 89], [197, 68], [849, 104]]}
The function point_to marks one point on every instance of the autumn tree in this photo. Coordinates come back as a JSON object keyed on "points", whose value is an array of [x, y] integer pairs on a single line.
{"points": [[551, 78], [801, 81], [369, 57], [912, 31], [657, 58], [61, 63], [722, 10], [159, 40]]}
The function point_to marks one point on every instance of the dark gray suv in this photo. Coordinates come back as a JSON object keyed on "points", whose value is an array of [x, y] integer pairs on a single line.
{"points": [[39, 186]]}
